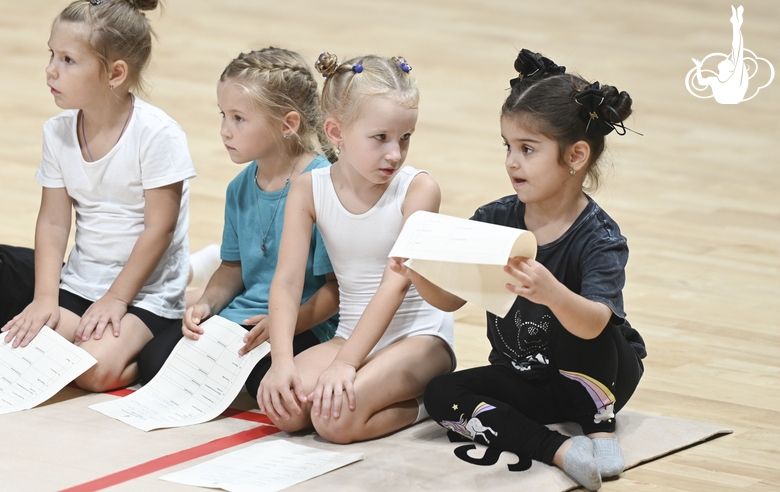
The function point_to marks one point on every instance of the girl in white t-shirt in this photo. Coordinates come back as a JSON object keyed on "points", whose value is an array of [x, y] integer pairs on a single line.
{"points": [[364, 382], [121, 165]]}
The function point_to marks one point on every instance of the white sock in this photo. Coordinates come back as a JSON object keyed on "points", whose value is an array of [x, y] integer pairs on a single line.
{"points": [[422, 413], [203, 264]]}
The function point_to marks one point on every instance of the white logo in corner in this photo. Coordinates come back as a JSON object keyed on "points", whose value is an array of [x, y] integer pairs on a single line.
{"points": [[729, 84]]}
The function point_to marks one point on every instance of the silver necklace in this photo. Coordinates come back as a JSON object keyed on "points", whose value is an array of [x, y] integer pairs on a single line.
{"points": [[124, 127], [276, 209]]}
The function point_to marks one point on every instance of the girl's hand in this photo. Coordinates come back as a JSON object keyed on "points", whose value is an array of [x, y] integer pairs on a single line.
{"points": [[327, 396], [257, 335], [193, 317], [397, 265], [536, 283], [105, 311], [280, 390], [26, 325]]}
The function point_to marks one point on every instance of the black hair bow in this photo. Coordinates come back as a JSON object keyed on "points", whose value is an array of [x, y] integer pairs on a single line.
{"points": [[592, 101], [530, 64]]}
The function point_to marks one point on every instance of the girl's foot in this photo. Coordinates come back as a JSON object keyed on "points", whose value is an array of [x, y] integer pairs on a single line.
{"points": [[580, 464], [608, 455]]}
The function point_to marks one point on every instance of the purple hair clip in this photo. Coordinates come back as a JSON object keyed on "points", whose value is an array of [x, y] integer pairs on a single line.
{"points": [[357, 68], [405, 67]]}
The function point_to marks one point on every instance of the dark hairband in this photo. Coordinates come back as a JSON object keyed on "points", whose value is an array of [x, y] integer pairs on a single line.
{"points": [[533, 65], [592, 101]]}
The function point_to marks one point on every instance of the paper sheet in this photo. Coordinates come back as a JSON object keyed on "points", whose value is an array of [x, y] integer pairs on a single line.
{"points": [[196, 384], [263, 467], [31, 375], [464, 257]]}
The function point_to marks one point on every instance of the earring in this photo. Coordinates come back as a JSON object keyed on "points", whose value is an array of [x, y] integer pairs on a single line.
{"points": [[288, 137], [572, 171], [337, 150]]}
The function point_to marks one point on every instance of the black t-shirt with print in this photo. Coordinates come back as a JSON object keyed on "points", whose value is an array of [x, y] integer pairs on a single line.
{"points": [[589, 259]]}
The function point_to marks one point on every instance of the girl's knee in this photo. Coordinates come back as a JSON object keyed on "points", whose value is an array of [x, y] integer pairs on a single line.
{"points": [[98, 379], [294, 424], [341, 430]]}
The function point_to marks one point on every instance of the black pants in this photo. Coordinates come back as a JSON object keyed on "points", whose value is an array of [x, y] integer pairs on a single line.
{"points": [[17, 280], [497, 407], [154, 354]]}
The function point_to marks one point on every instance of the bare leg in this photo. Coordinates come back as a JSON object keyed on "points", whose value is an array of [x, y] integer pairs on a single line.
{"points": [[385, 388], [310, 364], [116, 367]]}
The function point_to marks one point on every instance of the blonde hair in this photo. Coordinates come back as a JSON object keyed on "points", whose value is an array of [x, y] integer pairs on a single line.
{"points": [[118, 30], [348, 85], [278, 81]]}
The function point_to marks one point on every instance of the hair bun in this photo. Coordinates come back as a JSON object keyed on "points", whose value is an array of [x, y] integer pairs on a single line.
{"points": [[619, 103], [327, 64], [535, 66], [603, 109]]}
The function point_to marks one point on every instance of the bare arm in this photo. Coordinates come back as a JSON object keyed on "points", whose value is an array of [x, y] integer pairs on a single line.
{"points": [[287, 285], [281, 388], [225, 284], [432, 293], [51, 240]]}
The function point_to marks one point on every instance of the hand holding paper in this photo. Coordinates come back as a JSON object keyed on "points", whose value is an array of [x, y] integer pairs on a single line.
{"points": [[464, 257], [197, 382]]}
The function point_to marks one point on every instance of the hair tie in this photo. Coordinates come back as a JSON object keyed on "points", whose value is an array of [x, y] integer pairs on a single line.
{"points": [[533, 65], [405, 67], [95, 2], [357, 68]]}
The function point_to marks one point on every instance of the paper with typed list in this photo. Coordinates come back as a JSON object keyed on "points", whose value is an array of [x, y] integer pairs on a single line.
{"points": [[198, 381], [464, 257], [263, 467], [31, 375]]}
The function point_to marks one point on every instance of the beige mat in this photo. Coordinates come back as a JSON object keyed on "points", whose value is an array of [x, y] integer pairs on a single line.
{"points": [[423, 458]]}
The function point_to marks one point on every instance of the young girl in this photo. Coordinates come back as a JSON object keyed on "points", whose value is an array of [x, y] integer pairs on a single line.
{"points": [[271, 116], [122, 165], [565, 351], [364, 382]]}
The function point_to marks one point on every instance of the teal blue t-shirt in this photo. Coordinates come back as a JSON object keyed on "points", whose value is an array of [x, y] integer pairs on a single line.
{"points": [[248, 211]]}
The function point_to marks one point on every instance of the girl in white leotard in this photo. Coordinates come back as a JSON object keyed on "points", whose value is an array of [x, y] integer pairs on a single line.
{"points": [[389, 342]]}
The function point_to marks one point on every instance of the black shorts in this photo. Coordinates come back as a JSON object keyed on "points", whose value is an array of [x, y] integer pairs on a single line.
{"points": [[78, 306]]}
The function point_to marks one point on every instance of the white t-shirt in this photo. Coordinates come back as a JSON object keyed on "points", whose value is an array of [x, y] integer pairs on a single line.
{"points": [[108, 197]]}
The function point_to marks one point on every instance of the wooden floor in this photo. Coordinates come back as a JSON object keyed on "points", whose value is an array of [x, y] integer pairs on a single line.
{"points": [[698, 196]]}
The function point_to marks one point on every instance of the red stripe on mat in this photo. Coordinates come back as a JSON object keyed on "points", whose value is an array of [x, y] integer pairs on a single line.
{"points": [[175, 459]]}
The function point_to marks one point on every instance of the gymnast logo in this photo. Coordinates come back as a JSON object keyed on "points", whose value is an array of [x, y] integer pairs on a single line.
{"points": [[729, 84]]}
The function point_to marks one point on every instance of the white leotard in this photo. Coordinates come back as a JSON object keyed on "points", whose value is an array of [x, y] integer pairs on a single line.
{"points": [[358, 246]]}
